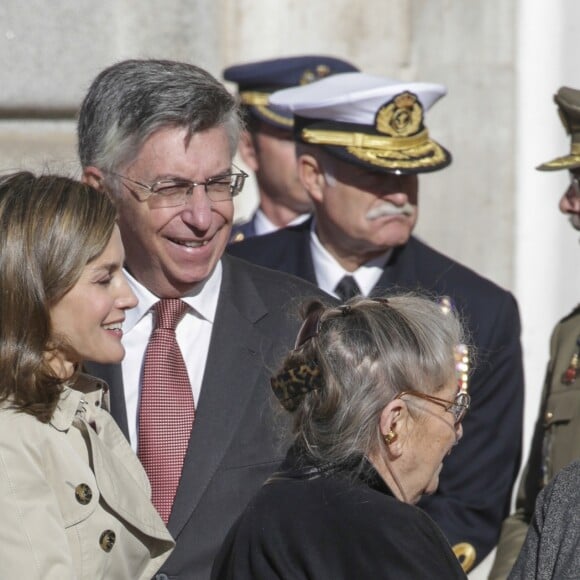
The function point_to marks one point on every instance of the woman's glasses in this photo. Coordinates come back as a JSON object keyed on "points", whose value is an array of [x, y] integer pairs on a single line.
{"points": [[458, 408]]}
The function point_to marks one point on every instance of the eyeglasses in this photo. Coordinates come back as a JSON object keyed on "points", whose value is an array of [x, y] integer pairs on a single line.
{"points": [[175, 192], [458, 408]]}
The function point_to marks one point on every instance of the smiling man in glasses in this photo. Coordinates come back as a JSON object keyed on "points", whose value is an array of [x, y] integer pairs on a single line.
{"points": [[192, 393], [556, 440], [362, 145]]}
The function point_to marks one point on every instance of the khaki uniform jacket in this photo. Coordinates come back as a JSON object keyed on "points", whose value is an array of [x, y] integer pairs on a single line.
{"points": [[74, 499], [555, 444]]}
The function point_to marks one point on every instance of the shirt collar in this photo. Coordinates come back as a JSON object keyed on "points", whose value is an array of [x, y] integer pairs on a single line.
{"points": [[202, 299], [329, 272], [263, 225]]}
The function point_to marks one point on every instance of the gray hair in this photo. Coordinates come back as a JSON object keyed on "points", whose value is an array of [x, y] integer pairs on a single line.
{"points": [[130, 100], [367, 353]]}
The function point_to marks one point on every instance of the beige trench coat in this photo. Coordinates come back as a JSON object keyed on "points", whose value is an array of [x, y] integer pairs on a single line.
{"points": [[74, 499]]}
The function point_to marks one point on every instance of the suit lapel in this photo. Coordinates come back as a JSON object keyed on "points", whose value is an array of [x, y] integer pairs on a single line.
{"points": [[399, 273], [304, 255], [304, 266], [231, 374]]}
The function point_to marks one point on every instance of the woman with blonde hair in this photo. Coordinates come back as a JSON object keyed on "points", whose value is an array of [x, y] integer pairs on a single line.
{"points": [[74, 499], [374, 398]]}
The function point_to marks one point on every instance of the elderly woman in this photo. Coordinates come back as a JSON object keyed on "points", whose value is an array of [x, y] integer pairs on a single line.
{"points": [[74, 499], [373, 392]]}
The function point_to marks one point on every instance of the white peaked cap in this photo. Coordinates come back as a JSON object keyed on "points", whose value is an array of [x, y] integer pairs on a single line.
{"points": [[368, 120], [352, 97]]}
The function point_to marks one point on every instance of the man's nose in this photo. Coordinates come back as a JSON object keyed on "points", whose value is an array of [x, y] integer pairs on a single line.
{"points": [[196, 211]]}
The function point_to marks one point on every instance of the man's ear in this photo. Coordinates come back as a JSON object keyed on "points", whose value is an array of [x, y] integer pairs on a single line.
{"points": [[93, 177], [247, 150], [311, 176]]}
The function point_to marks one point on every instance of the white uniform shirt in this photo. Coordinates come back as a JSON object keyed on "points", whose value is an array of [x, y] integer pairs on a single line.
{"points": [[329, 272]]}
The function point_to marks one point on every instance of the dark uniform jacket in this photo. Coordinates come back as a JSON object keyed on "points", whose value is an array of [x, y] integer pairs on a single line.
{"points": [[321, 524], [556, 440], [243, 230], [476, 482], [235, 443]]}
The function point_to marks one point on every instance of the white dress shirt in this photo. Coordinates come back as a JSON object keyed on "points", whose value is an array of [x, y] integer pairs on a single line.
{"points": [[262, 225], [329, 272], [193, 336]]}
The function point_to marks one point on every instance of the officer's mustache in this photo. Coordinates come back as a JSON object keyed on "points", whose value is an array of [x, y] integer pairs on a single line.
{"points": [[386, 208]]}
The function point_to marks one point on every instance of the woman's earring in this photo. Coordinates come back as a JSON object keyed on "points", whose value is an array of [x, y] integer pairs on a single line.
{"points": [[390, 437]]}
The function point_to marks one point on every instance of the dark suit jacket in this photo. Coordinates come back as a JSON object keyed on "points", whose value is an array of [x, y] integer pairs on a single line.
{"points": [[235, 443], [476, 482]]}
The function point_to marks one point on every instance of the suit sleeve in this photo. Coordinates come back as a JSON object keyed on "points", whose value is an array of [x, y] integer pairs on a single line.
{"points": [[526, 560], [550, 549], [33, 544], [476, 482]]}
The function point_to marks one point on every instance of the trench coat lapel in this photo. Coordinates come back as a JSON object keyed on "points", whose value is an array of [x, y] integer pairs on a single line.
{"points": [[118, 470], [113, 376]]}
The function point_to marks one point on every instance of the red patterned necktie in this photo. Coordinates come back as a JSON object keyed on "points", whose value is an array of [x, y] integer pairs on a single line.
{"points": [[166, 408]]}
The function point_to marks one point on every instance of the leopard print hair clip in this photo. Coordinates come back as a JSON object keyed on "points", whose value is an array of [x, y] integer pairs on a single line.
{"points": [[292, 384]]}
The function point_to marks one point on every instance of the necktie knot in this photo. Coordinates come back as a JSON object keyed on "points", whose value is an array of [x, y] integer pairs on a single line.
{"points": [[347, 288], [168, 313]]}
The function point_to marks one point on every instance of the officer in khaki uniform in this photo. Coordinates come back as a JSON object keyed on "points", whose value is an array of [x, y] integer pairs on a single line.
{"points": [[556, 440]]}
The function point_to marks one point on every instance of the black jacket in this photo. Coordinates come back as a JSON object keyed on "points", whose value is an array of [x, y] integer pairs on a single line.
{"points": [[309, 523]]}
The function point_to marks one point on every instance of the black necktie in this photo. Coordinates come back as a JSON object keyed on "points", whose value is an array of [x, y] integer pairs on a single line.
{"points": [[347, 288]]}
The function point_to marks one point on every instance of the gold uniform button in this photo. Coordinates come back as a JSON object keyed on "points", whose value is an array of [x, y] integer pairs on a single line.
{"points": [[548, 416], [107, 540], [466, 555], [83, 493]]}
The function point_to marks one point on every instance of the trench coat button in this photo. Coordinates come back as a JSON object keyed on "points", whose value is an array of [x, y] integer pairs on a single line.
{"points": [[107, 540], [161, 576], [83, 493]]}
